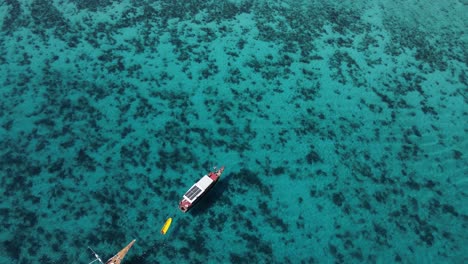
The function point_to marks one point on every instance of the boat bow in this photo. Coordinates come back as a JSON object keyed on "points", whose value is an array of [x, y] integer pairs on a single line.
{"points": [[117, 259]]}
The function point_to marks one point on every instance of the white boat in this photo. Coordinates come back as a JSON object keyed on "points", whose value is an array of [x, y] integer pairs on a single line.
{"points": [[199, 189]]}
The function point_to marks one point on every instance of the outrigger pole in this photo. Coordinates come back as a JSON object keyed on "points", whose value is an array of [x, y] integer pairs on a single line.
{"points": [[96, 256]]}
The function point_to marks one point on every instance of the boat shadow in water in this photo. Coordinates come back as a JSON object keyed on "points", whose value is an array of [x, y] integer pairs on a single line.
{"points": [[136, 260], [139, 259], [212, 197]]}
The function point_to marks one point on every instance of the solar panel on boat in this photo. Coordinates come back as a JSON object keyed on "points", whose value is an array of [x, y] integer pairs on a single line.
{"points": [[193, 192], [190, 191]]}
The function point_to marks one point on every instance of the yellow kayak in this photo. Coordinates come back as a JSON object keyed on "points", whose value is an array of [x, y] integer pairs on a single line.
{"points": [[166, 226]]}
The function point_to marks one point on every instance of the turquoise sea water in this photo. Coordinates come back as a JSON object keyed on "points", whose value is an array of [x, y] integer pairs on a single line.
{"points": [[342, 126]]}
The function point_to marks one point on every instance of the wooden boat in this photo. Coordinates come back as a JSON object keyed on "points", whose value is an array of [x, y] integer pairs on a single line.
{"points": [[117, 259], [199, 189]]}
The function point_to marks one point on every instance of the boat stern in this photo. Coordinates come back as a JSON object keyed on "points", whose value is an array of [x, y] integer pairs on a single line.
{"points": [[184, 205]]}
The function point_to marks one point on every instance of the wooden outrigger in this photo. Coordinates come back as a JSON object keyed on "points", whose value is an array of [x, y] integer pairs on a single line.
{"points": [[117, 259]]}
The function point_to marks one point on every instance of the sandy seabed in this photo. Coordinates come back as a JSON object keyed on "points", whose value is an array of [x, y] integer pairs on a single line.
{"points": [[342, 126]]}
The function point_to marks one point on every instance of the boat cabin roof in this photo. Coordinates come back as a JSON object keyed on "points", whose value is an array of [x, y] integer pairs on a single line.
{"points": [[198, 188], [204, 182]]}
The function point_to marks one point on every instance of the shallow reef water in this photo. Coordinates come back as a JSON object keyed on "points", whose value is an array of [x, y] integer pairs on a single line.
{"points": [[342, 126]]}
